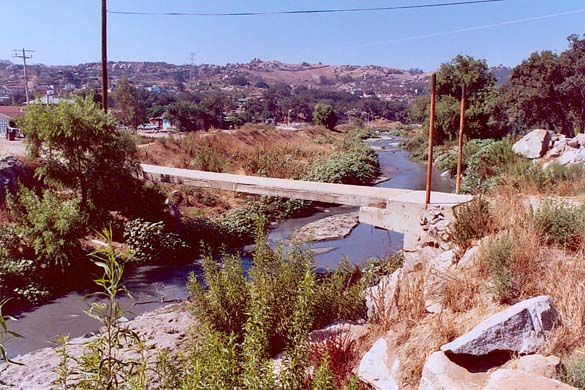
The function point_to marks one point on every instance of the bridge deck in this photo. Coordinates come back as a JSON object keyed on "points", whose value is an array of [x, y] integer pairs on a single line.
{"points": [[298, 189]]}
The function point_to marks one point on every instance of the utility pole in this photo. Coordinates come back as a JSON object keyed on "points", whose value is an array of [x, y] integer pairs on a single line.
{"points": [[104, 56], [24, 56]]}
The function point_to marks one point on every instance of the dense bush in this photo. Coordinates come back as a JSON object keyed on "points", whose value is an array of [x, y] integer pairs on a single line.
{"points": [[248, 321], [149, 242], [486, 165], [560, 224], [354, 163], [39, 245], [48, 225]]}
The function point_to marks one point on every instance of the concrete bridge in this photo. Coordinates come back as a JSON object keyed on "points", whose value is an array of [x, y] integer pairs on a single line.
{"points": [[388, 208]]}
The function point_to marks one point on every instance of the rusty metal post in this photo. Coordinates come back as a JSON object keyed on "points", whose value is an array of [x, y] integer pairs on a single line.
{"points": [[431, 138], [461, 130]]}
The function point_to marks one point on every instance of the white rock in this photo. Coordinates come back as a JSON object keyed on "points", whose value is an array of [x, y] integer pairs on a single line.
{"points": [[540, 365], [379, 367], [522, 328], [381, 299], [470, 258], [568, 157], [440, 373], [534, 144], [580, 138], [505, 379]]}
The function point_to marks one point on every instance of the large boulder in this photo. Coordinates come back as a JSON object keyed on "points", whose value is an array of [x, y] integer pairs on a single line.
{"points": [[440, 373], [534, 144], [522, 328], [12, 171], [379, 367], [520, 380], [382, 299], [540, 365]]}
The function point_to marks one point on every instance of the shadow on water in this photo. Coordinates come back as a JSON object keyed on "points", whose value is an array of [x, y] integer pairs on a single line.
{"points": [[152, 283]]}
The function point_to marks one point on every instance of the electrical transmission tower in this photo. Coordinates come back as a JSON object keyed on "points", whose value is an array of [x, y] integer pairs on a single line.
{"points": [[192, 62], [23, 54]]}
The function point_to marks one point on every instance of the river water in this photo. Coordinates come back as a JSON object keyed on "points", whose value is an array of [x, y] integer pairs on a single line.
{"points": [[151, 284]]}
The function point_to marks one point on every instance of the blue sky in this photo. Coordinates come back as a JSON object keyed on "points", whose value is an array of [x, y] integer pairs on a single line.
{"points": [[68, 31]]}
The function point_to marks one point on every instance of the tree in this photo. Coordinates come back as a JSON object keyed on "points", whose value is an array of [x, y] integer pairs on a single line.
{"points": [[531, 98], [187, 114], [129, 110], [81, 149], [572, 63], [481, 97], [324, 115]]}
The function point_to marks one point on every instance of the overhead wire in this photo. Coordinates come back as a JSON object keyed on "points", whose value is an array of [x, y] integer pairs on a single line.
{"points": [[314, 11]]}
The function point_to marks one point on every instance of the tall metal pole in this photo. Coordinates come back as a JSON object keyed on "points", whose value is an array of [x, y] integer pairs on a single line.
{"points": [[104, 56], [431, 138], [461, 130]]}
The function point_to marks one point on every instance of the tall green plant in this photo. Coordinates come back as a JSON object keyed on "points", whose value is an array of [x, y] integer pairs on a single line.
{"points": [[5, 335], [106, 362]]}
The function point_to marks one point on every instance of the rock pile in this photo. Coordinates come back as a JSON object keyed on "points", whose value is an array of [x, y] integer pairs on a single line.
{"points": [[552, 147]]}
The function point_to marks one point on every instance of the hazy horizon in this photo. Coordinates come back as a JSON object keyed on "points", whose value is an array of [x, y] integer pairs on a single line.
{"points": [[504, 33]]}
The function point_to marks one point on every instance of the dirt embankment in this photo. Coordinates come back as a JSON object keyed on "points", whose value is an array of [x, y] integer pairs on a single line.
{"points": [[252, 150]]}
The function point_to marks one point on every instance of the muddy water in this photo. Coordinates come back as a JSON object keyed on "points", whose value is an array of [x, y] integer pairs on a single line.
{"points": [[152, 285]]}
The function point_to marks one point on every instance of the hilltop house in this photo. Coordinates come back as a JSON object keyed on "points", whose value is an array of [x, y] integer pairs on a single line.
{"points": [[8, 116]]}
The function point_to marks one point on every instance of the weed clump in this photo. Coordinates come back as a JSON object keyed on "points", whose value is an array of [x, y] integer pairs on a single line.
{"points": [[250, 317], [473, 221], [500, 260], [574, 369], [562, 225]]}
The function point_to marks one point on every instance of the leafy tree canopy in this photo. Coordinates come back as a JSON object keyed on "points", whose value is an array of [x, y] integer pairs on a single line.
{"points": [[324, 115], [81, 149]]}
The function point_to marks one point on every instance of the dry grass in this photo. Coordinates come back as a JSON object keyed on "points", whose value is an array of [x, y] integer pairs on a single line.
{"points": [[251, 150]]}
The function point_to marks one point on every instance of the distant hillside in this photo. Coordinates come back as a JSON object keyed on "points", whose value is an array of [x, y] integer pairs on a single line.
{"points": [[502, 74], [386, 83]]}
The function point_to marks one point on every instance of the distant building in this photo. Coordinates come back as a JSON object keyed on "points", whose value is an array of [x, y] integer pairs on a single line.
{"points": [[8, 117]]}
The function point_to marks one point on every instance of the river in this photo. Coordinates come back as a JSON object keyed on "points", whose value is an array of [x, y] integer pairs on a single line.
{"points": [[64, 315]]}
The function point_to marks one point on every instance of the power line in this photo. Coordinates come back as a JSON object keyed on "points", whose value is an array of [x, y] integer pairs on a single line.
{"points": [[316, 11], [468, 29]]}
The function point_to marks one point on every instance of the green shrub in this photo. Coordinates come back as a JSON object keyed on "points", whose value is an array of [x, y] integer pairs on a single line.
{"points": [[149, 242], [115, 358], [418, 147], [473, 221], [549, 178], [353, 163], [501, 259], [47, 224], [486, 165], [209, 159], [375, 269], [561, 224], [574, 370], [239, 226]]}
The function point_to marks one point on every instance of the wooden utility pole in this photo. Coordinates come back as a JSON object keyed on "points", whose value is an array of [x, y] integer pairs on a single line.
{"points": [[461, 130], [431, 138], [104, 56], [24, 56]]}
